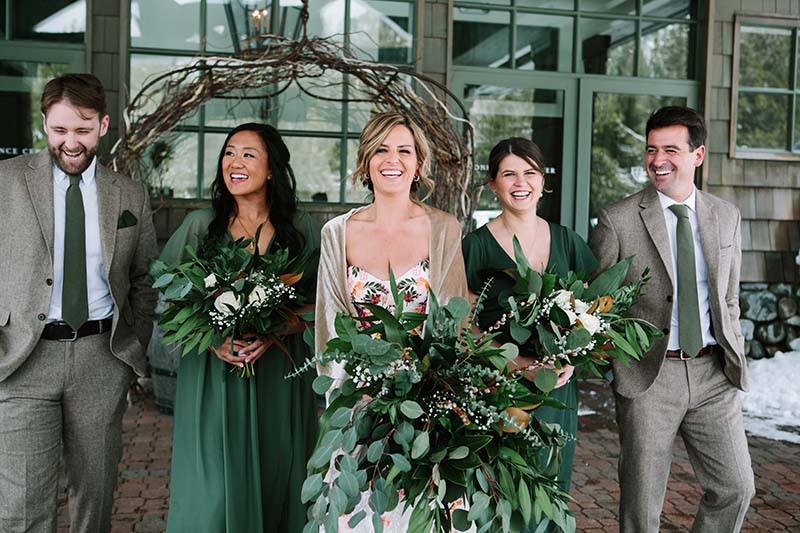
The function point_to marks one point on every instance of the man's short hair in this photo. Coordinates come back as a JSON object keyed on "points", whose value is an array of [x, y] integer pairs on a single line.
{"points": [[80, 90], [679, 116]]}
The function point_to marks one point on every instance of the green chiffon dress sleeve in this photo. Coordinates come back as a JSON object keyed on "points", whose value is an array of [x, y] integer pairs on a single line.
{"points": [[485, 262], [240, 445]]}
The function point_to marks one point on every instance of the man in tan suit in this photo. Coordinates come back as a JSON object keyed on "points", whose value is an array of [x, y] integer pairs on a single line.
{"points": [[689, 382], [76, 311]]}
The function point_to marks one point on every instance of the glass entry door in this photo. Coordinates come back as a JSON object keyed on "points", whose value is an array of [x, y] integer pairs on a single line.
{"points": [[511, 105], [24, 71], [611, 139]]}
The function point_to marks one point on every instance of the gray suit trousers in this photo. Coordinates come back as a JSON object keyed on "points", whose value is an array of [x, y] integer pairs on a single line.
{"points": [[696, 399], [70, 397]]}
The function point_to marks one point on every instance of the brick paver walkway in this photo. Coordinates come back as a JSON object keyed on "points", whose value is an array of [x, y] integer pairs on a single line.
{"points": [[143, 492]]}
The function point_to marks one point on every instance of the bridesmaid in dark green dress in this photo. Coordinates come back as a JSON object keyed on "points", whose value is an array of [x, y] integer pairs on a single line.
{"points": [[240, 445], [516, 176]]}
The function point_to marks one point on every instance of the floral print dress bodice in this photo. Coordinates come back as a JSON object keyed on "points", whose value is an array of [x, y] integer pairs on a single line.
{"points": [[413, 284]]}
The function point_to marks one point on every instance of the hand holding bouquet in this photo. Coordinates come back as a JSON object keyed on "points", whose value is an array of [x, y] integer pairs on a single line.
{"points": [[225, 292], [569, 321]]}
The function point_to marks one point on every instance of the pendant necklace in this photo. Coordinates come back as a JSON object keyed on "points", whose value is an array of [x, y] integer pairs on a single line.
{"points": [[252, 246]]}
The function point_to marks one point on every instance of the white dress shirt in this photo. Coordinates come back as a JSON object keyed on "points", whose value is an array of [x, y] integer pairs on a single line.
{"points": [[701, 270], [101, 305]]}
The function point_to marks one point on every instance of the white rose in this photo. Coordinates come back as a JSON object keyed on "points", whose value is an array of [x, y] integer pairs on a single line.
{"points": [[562, 300], [581, 306], [590, 322], [227, 303], [257, 295], [210, 281]]}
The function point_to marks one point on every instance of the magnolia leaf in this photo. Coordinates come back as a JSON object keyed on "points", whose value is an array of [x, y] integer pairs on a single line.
{"points": [[459, 453], [547, 339], [482, 481], [421, 445], [421, 518], [321, 384], [545, 379], [608, 281], [411, 409]]}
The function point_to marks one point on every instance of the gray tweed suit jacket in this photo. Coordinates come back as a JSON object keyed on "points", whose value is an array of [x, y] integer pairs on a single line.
{"points": [[635, 227], [26, 259]]}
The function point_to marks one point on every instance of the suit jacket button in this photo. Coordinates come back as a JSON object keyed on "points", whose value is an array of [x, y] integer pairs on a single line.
{"points": [[48, 281], [42, 316], [669, 298], [665, 331]]}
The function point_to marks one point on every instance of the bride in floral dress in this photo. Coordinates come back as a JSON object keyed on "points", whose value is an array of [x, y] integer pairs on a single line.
{"points": [[394, 233]]}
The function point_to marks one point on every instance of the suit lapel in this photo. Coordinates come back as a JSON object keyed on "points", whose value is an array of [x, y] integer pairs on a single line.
{"points": [[709, 238], [653, 218], [108, 203], [39, 180]]}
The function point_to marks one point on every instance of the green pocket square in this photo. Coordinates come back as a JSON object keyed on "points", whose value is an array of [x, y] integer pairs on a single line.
{"points": [[126, 220]]}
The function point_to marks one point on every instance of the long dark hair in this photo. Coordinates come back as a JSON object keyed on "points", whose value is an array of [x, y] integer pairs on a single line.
{"points": [[280, 191]]}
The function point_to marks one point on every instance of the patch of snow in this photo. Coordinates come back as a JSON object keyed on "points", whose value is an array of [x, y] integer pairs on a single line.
{"points": [[772, 406]]}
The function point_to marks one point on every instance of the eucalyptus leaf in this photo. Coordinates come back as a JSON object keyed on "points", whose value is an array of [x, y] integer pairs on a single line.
{"points": [[401, 462], [459, 453], [321, 384], [312, 486], [349, 485], [421, 445], [411, 409], [545, 379]]}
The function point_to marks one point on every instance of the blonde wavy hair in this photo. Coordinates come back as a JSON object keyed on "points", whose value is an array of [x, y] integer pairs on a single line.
{"points": [[373, 135]]}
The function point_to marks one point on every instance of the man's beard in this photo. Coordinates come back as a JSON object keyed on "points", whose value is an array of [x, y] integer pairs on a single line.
{"points": [[72, 167]]}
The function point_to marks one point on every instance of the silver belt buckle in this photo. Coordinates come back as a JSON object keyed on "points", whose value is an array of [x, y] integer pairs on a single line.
{"points": [[74, 337], [683, 355]]}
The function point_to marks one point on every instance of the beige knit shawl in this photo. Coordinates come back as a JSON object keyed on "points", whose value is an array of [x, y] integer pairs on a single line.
{"points": [[448, 278]]}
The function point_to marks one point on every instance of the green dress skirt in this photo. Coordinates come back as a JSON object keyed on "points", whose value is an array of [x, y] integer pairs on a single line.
{"points": [[484, 258], [240, 445]]}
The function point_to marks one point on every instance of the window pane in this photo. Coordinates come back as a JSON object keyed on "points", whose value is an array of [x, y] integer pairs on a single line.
{"points": [[212, 146], [665, 51], [502, 112], [235, 109], [796, 146], [544, 42], [357, 194], [618, 142], [144, 67], [679, 9], [481, 38], [765, 57], [761, 121], [171, 24], [297, 110], [547, 4], [3, 20], [174, 172], [627, 7], [382, 31], [316, 163], [358, 113], [607, 46], [48, 20], [326, 19], [220, 35], [20, 100]]}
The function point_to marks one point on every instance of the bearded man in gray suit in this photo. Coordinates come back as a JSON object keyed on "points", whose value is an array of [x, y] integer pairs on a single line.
{"points": [[76, 310], [690, 381]]}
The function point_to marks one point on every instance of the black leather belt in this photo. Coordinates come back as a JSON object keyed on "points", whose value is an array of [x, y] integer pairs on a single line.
{"points": [[680, 354], [59, 331]]}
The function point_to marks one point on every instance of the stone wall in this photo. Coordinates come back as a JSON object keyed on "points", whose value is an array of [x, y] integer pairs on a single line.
{"points": [[770, 318]]}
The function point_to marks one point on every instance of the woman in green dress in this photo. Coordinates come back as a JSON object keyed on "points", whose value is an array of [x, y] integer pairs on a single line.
{"points": [[516, 176], [240, 445]]}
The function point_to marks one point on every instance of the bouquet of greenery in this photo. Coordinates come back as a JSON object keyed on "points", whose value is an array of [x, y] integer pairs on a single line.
{"points": [[436, 414], [572, 321], [226, 291]]}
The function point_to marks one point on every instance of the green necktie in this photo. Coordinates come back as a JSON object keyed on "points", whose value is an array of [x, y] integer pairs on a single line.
{"points": [[74, 303], [689, 334]]}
